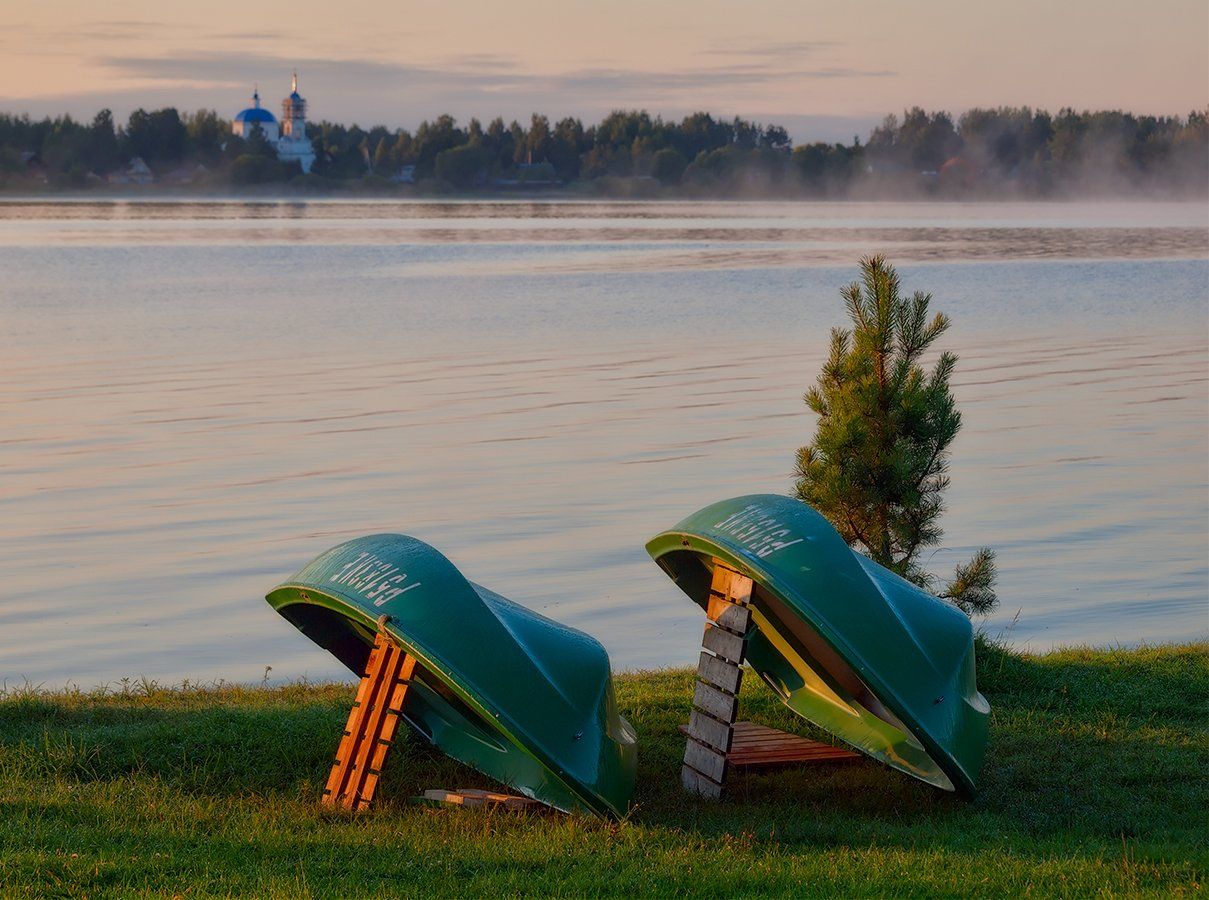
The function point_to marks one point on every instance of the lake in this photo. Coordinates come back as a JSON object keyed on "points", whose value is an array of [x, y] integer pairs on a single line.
{"points": [[196, 398]]}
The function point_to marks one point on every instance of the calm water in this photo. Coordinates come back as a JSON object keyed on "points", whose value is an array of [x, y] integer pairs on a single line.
{"points": [[197, 398]]}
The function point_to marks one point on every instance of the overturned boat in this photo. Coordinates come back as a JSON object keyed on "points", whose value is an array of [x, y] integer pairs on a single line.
{"points": [[843, 641], [510, 693]]}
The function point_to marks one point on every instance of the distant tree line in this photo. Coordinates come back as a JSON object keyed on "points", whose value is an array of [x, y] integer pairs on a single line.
{"points": [[985, 152], [1035, 152]]}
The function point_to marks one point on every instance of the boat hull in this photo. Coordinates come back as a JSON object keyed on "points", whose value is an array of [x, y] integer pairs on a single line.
{"points": [[844, 642], [515, 695]]}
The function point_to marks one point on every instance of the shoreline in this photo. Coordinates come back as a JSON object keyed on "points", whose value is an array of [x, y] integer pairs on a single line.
{"points": [[132, 686]]}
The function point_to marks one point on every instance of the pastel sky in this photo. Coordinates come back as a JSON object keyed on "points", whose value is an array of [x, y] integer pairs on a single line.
{"points": [[826, 70]]}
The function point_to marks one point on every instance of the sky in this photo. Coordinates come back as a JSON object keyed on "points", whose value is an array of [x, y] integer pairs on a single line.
{"points": [[824, 70]]}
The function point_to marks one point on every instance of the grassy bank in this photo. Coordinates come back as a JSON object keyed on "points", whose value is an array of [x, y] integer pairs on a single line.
{"points": [[1095, 782]]}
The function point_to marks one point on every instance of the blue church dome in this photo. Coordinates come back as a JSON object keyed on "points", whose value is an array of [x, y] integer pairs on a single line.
{"points": [[255, 114]]}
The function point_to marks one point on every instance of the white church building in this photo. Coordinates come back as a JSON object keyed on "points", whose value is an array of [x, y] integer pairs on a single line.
{"points": [[289, 138]]}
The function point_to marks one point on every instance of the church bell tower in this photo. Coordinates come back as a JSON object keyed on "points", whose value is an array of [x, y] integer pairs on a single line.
{"points": [[293, 114]]}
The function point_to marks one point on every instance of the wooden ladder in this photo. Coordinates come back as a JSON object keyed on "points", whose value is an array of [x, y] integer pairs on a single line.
{"points": [[716, 742], [372, 724]]}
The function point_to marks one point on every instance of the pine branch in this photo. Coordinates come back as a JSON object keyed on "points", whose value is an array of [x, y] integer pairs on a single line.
{"points": [[972, 589]]}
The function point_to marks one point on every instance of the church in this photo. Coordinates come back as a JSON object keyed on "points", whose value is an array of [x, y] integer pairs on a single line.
{"points": [[289, 138]]}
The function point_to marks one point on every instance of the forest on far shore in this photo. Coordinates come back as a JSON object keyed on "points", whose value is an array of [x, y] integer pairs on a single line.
{"points": [[1003, 152]]}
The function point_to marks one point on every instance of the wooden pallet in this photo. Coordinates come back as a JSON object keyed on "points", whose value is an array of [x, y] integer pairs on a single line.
{"points": [[760, 747], [473, 798], [716, 743], [372, 724]]}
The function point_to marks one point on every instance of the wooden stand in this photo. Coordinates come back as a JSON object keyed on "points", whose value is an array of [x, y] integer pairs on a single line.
{"points": [[717, 743], [372, 724]]}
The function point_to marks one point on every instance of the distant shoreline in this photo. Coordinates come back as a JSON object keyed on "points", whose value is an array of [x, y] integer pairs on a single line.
{"points": [[560, 195]]}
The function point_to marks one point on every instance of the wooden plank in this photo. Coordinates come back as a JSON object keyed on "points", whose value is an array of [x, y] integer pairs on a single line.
{"points": [[490, 795], [443, 796], [339, 774], [709, 762], [762, 746], [720, 580], [762, 740], [719, 672], [387, 730], [787, 759], [785, 747], [758, 746], [472, 798], [724, 644], [696, 783], [718, 704], [728, 615], [767, 765], [810, 749], [730, 584], [746, 730], [708, 730]]}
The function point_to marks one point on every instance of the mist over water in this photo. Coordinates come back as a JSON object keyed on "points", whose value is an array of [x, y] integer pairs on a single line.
{"points": [[197, 398]]}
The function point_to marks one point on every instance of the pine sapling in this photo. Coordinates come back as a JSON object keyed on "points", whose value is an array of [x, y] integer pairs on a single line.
{"points": [[878, 465]]}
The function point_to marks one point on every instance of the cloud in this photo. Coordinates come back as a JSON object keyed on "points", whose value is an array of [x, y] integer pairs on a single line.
{"points": [[485, 74], [44, 41], [265, 36], [624, 82], [487, 62], [769, 49], [127, 23], [230, 67]]}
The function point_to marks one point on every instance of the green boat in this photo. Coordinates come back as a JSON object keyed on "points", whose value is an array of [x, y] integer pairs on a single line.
{"points": [[844, 642], [511, 693]]}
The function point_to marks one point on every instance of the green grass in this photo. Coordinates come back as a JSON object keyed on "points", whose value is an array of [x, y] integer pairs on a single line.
{"points": [[1095, 782]]}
